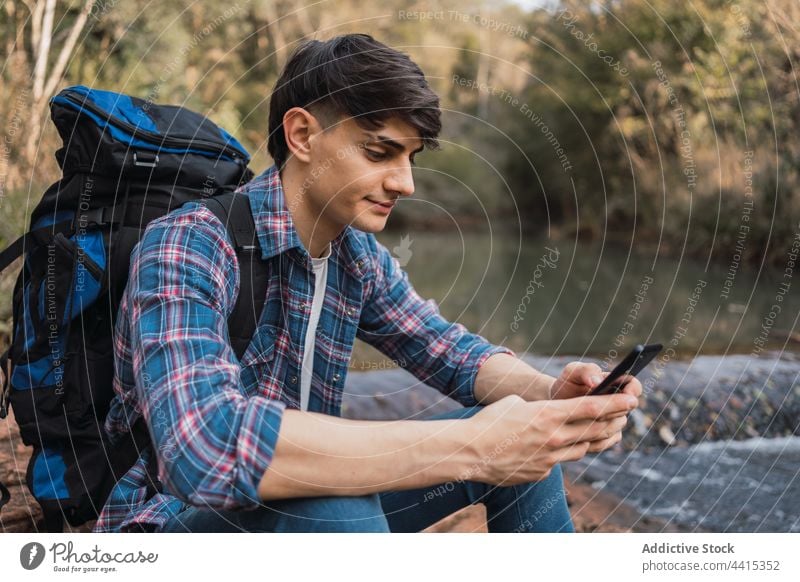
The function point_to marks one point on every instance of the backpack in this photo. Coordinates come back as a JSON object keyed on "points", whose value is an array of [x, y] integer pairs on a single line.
{"points": [[125, 162]]}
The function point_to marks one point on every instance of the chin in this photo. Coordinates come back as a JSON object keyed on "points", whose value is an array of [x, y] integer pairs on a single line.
{"points": [[371, 224]]}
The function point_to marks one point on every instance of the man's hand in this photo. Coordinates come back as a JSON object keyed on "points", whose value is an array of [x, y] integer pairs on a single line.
{"points": [[519, 441], [578, 379]]}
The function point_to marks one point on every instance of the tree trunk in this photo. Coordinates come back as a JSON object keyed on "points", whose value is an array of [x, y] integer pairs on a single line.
{"points": [[44, 84]]}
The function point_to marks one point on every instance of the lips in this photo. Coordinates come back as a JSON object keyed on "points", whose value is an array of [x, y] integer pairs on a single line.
{"points": [[385, 204]]}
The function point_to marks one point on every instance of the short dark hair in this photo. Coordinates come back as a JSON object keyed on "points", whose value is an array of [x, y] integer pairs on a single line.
{"points": [[353, 75]]}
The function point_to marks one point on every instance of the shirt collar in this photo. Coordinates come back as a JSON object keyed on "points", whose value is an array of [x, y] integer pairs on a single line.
{"points": [[275, 228]]}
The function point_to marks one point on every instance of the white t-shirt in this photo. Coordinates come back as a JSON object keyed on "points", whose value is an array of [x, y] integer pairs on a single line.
{"points": [[320, 267]]}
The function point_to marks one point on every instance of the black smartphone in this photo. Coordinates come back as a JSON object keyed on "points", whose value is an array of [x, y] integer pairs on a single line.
{"points": [[633, 363]]}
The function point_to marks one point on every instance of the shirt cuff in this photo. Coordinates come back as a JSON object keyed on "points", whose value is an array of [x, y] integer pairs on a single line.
{"points": [[255, 446], [464, 391]]}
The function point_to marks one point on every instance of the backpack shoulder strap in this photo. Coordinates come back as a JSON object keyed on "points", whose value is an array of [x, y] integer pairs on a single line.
{"points": [[233, 210]]}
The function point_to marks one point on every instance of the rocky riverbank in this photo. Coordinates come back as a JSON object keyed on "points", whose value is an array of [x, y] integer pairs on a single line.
{"points": [[711, 398], [685, 402]]}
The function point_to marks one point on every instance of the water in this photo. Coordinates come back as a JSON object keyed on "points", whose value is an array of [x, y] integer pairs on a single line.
{"points": [[723, 486], [594, 296]]}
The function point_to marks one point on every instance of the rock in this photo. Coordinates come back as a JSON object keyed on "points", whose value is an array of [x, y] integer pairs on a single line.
{"points": [[22, 513], [750, 431], [666, 435], [711, 397], [596, 510], [471, 519], [639, 424]]}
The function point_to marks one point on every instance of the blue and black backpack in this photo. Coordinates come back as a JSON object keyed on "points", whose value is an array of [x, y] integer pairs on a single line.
{"points": [[125, 161]]}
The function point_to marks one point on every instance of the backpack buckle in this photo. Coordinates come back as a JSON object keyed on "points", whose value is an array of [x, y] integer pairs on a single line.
{"points": [[141, 159], [94, 217]]}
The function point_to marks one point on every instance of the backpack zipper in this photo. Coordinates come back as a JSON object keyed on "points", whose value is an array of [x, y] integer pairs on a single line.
{"points": [[156, 139], [72, 247]]}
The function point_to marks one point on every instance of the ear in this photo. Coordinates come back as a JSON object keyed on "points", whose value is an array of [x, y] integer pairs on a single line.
{"points": [[299, 129]]}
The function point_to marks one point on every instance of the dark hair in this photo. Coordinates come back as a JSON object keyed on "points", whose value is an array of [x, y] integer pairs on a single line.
{"points": [[353, 75]]}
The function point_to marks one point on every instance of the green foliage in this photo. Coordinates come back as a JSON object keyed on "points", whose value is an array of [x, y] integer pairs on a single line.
{"points": [[593, 116], [662, 143]]}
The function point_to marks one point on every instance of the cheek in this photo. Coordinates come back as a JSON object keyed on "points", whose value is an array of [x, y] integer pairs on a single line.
{"points": [[353, 194], [347, 204]]}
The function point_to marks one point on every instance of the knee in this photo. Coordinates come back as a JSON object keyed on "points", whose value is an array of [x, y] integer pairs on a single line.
{"points": [[333, 514], [554, 481], [549, 491], [546, 508]]}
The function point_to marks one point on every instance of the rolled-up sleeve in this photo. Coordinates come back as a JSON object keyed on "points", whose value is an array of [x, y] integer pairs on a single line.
{"points": [[213, 443], [412, 331]]}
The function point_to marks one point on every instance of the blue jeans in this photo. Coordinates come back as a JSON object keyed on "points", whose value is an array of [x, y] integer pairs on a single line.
{"points": [[532, 507]]}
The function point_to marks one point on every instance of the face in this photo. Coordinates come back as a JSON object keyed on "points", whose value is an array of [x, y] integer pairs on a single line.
{"points": [[356, 176]]}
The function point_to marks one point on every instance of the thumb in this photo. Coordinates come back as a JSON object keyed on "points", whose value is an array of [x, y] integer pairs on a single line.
{"points": [[590, 374]]}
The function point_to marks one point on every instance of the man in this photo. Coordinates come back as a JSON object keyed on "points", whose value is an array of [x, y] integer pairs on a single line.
{"points": [[259, 444]]}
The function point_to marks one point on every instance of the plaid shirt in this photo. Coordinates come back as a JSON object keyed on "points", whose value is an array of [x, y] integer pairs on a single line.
{"points": [[213, 419]]}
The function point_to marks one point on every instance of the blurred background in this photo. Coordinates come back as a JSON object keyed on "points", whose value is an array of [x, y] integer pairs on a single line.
{"points": [[612, 172], [638, 139]]}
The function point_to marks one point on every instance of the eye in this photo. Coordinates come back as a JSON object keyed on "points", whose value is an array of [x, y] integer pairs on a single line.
{"points": [[375, 155]]}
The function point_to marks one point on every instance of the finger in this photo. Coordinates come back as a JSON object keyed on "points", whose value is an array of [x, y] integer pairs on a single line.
{"points": [[572, 452], [586, 430], [582, 373], [593, 375], [594, 381], [602, 445], [633, 387], [608, 417], [593, 430], [596, 407]]}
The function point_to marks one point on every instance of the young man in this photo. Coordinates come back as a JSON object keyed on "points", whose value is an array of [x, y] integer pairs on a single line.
{"points": [[259, 444]]}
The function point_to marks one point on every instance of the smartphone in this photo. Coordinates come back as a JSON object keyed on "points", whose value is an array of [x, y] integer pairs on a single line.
{"points": [[633, 363]]}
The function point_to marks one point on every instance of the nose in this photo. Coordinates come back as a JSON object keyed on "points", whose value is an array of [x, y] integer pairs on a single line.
{"points": [[400, 180]]}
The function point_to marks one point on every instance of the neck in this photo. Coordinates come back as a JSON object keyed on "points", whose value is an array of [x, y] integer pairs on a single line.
{"points": [[314, 231]]}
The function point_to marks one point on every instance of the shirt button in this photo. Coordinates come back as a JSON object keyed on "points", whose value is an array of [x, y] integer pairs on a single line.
{"points": [[293, 379], [351, 311], [360, 263], [304, 307], [336, 377]]}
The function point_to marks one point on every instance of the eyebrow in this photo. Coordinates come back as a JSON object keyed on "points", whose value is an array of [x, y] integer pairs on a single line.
{"points": [[384, 140]]}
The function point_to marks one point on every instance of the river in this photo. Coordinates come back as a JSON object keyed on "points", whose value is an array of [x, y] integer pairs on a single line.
{"points": [[588, 298]]}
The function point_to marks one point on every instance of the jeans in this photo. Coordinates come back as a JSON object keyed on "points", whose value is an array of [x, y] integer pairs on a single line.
{"points": [[531, 507]]}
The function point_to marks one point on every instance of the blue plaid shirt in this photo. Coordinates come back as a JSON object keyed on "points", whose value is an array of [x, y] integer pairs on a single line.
{"points": [[214, 420]]}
